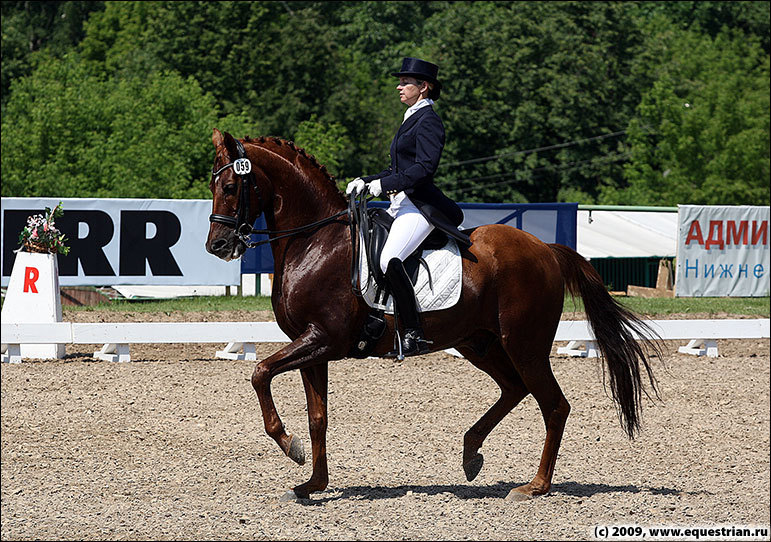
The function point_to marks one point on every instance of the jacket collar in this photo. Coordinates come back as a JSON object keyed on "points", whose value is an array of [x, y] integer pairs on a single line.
{"points": [[425, 102], [412, 119]]}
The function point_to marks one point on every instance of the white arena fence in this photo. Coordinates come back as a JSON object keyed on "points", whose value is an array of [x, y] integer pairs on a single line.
{"points": [[240, 337]]}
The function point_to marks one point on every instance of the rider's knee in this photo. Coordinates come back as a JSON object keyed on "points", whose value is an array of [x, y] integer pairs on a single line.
{"points": [[385, 263], [385, 259]]}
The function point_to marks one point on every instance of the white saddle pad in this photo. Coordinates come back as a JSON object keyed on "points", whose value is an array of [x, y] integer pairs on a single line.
{"points": [[446, 269]]}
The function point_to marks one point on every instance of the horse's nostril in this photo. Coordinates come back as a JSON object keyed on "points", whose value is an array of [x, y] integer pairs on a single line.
{"points": [[218, 244]]}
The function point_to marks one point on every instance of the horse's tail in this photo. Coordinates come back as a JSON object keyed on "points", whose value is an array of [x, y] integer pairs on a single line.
{"points": [[613, 326]]}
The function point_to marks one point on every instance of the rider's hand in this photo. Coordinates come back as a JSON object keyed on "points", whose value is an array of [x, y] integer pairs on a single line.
{"points": [[374, 188], [357, 184]]}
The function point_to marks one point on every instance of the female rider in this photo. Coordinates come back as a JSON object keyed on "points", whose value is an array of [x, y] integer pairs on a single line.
{"points": [[416, 204]]}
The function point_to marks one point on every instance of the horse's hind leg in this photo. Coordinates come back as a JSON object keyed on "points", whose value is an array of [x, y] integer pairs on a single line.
{"points": [[537, 376], [496, 363]]}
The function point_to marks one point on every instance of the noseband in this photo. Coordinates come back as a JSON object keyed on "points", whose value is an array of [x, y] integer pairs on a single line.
{"points": [[243, 229]]}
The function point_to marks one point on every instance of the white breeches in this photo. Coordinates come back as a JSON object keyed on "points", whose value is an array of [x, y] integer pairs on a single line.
{"points": [[409, 229]]}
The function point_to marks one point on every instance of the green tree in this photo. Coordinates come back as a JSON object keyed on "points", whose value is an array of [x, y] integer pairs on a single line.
{"points": [[753, 18], [701, 135], [536, 96], [277, 62], [264, 58], [31, 26], [280, 62], [372, 39], [328, 143], [69, 133]]}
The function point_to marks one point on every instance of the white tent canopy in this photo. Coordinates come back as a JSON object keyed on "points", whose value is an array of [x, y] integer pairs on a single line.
{"points": [[626, 234]]}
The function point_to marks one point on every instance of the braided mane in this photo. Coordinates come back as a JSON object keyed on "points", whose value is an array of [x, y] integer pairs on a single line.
{"points": [[288, 150]]}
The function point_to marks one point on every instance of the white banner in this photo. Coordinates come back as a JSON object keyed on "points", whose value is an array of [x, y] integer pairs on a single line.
{"points": [[124, 241], [722, 251]]}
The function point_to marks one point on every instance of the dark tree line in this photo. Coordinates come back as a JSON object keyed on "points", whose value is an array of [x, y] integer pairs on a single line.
{"points": [[647, 103]]}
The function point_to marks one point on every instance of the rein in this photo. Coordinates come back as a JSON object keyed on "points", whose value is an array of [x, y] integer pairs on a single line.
{"points": [[280, 234]]}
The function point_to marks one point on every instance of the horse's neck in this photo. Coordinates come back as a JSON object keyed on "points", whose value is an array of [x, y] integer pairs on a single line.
{"points": [[303, 194], [300, 197], [293, 208]]}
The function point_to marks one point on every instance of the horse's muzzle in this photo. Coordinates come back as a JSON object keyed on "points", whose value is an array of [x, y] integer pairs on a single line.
{"points": [[227, 248]]}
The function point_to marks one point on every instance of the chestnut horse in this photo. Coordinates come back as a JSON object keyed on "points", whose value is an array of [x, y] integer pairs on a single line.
{"points": [[504, 323]]}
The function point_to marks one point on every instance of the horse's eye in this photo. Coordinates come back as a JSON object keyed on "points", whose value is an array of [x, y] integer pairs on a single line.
{"points": [[230, 189]]}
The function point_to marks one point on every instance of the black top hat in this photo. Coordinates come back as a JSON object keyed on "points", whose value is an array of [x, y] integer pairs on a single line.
{"points": [[420, 69]]}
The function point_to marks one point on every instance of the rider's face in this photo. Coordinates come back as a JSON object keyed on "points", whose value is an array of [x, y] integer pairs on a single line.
{"points": [[410, 90]]}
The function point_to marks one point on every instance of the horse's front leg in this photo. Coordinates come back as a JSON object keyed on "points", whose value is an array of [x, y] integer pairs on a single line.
{"points": [[308, 351]]}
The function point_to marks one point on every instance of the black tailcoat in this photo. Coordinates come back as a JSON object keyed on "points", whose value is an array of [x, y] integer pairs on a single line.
{"points": [[415, 153]]}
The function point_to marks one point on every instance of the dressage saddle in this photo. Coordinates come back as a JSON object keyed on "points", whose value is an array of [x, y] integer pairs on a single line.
{"points": [[379, 225], [374, 228]]}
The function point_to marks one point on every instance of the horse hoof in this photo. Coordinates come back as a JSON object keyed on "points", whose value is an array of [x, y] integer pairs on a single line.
{"points": [[296, 450], [473, 466], [517, 496], [288, 496]]}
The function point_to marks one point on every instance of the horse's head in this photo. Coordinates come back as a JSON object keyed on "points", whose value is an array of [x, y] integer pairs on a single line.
{"points": [[237, 200]]}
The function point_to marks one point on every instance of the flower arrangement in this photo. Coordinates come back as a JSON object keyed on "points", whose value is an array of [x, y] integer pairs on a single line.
{"points": [[40, 233]]}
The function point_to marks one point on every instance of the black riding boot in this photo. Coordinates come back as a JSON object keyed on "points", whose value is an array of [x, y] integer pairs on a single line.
{"points": [[413, 343]]}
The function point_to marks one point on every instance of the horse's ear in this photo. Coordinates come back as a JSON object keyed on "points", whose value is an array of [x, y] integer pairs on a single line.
{"points": [[230, 144], [216, 138]]}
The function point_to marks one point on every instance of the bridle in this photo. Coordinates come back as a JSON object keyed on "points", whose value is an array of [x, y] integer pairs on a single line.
{"points": [[358, 219], [242, 167]]}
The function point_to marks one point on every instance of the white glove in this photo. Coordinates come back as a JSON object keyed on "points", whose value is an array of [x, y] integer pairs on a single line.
{"points": [[357, 184], [374, 188]]}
